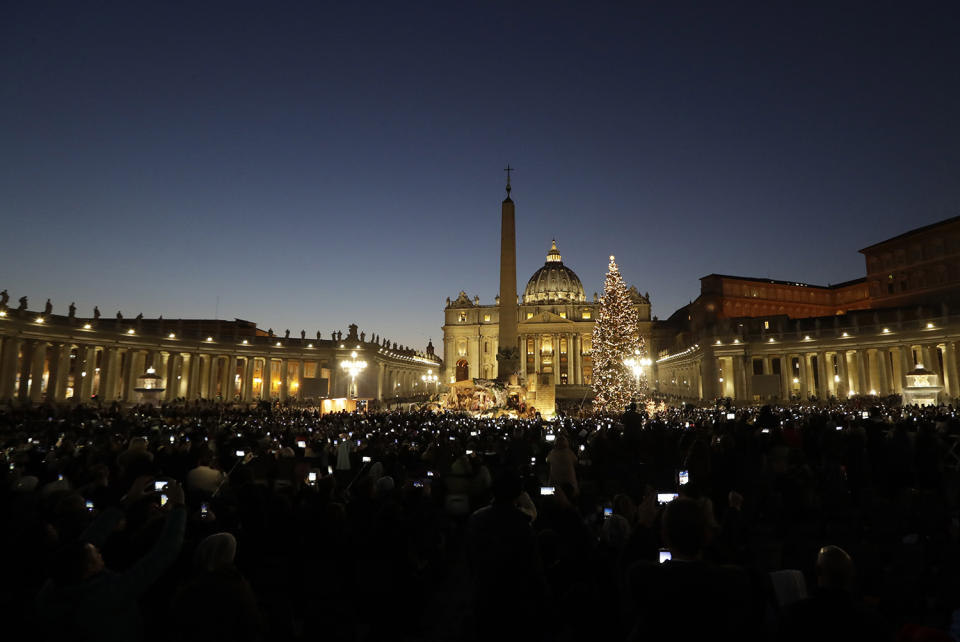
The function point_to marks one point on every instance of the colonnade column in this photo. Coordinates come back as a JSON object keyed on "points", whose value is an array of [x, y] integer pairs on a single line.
{"points": [[248, 370], [37, 362], [284, 378], [843, 370], [87, 369], [824, 390], [883, 372], [950, 369], [193, 379], [739, 382], [299, 394], [861, 358], [135, 360], [381, 370], [267, 383], [804, 376], [9, 361], [212, 376], [786, 376], [171, 371], [59, 372], [231, 378]]}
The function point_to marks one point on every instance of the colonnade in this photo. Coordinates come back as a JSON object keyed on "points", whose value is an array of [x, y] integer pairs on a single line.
{"points": [[563, 350], [839, 367], [41, 361]]}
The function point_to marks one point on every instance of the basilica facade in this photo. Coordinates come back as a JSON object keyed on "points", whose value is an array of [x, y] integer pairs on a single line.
{"points": [[554, 329]]}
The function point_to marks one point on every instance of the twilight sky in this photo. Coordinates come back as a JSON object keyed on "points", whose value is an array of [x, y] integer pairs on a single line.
{"points": [[314, 164]]}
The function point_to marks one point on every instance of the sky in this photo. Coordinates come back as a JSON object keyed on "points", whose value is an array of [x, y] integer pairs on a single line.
{"points": [[314, 164]]}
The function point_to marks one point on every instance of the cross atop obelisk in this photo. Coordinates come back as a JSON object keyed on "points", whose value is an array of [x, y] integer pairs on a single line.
{"points": [[508, 169]]}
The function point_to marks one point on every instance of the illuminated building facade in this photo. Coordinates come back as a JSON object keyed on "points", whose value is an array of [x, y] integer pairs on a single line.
{"points": [[48, 357], [554, 329], [792, 340]]}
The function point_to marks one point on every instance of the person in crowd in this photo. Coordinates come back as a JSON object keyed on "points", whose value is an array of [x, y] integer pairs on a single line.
{"points": [[563, 465], [84, 600], [217, 603], [834, 611]]}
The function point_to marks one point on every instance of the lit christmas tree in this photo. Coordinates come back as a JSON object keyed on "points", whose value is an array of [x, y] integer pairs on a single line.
{"points": [[615, 339]]}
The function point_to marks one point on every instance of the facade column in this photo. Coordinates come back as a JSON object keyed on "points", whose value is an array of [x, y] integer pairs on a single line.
{"points": [[883, 372], [536, 356], [950, 369], [88, 364], [843, 370], [806, 383], [381, 370], [861, 361], [9, 360], [299, 394], [906, 364], [59, 372], [170, 371], [823, 391], [284, 379], [135, 359], [335, 374], [267, 383], [786, 376], [739, 380], [228, 384], [109, 366], [193, 378], [248, 369], [213, 377], [37, 364]]}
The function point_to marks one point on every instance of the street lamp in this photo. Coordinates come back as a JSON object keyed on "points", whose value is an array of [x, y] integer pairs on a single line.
{"points": [[637, 364], [431, 378], [353, 368]]}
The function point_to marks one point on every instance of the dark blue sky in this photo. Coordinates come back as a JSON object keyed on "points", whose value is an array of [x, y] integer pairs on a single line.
{"points": [[316, 164]]}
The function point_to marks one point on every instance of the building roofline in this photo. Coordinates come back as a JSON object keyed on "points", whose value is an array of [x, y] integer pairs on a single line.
{"points": [[832, 286], [909, 233]]}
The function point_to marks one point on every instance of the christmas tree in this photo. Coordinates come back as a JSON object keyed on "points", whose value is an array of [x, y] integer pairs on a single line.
{"points": [[616, 338]]}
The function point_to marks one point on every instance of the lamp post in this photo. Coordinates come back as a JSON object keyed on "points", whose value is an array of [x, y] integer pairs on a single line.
{"points": [[431, 378], [637, 364], [353, 368]]}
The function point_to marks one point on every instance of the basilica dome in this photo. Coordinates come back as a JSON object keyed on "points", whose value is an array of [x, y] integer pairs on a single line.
{"points": [[554, 282]]}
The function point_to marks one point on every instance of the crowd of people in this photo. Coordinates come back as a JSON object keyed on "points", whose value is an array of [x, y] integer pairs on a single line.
{"points": [[206, 522]]}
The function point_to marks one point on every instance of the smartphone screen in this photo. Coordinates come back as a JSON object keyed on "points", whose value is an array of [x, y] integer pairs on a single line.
{"points": [[301, 444], [551, 437], [89, 505], [683, 477], [731, 416], [665, 555], [204, 509], [607, 512], [164, 499], [159, 485], [547, 490], [311, 477], [240, 453], [666, 498], [366, 460]]}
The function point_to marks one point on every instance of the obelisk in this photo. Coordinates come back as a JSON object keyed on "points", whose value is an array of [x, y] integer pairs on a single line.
{"points": [[508, 354]]}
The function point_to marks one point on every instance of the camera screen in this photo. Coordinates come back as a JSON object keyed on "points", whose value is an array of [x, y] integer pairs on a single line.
{"points": [[865, 414], [366, 460], [547, 490], [664, 555], [239, 453], [159, 485], [683, 477], [551, 437], [312, 477], [163, 500], [666, 498], [731, 415], [89, 505], [607, 512], [301, 444]]}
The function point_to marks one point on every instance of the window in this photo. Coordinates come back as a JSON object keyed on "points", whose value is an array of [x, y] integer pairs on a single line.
{"points": [[586, 314], [486, 318], [463, 317], [563, 315], [766, 325], [529, 315]]}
